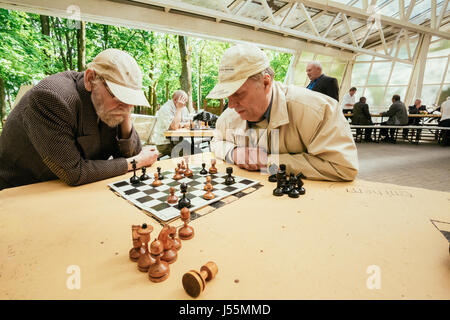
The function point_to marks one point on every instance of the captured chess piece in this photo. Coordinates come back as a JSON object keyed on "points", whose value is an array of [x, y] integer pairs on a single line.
{"points": [[300, 183], [145, 260], [203, 171], [160, 176], [194, 282], [184, 202], [273, 173], [135, 252], [134, 179], [176, 241], [186, 232], [177, 175], [229, 180], [159, 271], [156, 182], [278, 191], [293, 193], [208, 187], [172, 198], [170, 254], [287, 186], [213, 169], [144, 176]]}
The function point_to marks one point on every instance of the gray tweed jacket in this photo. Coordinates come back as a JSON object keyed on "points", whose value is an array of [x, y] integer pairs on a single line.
{"points": [[54, 132]]}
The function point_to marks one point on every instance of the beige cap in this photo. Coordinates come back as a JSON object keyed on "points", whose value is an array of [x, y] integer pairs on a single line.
{"points": [[122, 75], [237, 65]]}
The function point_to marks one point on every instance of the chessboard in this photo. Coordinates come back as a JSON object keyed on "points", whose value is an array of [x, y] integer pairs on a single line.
{"points": [[153, 200]]}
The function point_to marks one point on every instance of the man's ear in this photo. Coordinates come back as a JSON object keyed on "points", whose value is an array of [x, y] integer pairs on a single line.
{"points": [[267, 82], [89, 76]]}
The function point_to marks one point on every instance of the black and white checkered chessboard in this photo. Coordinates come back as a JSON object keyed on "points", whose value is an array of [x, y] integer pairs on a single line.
{"points": [[154, 199]]}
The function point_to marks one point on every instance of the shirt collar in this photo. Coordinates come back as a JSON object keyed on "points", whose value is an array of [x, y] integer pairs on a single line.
{"points": [[266, 114]]}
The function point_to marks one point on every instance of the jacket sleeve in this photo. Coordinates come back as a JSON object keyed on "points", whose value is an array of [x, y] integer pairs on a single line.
{"points": [[51, 126], [127, 148], [333, 89], [222, 144], [392, 110], [366, 112]]}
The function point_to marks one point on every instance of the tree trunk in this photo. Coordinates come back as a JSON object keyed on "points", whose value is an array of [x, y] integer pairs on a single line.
{"points": [[81, 46], [186, 71], [56, 28], [45, 25], [2, 101], [105, 36]]}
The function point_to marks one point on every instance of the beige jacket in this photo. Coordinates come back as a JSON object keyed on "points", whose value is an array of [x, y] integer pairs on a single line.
{"points": [[307, 132]]}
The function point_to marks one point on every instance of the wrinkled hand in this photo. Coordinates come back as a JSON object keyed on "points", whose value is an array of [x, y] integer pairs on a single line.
{"points": [[249, 158], [145, 158]]}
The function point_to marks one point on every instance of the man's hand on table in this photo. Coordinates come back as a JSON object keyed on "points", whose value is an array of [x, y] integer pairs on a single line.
{"points": [[145, 158], [249, 158]]}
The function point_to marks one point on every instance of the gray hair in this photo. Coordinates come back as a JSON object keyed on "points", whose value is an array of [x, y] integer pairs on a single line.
{"points": [[315, 64], [178, 93], [261, 74]]}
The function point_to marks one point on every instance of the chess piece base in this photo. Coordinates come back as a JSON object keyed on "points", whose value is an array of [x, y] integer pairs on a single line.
{"points": [[208, 196], [193, 283], [134, 254], [144, 262], [278, 192], [170, 256], [186, 233], [159, 272]]}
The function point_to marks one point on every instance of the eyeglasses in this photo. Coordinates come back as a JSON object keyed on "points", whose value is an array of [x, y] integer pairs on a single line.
{"points": [[106, 86]]}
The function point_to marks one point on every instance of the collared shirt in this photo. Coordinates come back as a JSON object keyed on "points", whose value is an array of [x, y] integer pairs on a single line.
{"points": [[266, 115], [164, 118], [313, 83], [348, 99]]}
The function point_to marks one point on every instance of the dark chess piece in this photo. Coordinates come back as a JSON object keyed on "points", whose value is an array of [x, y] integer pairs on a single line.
{"points": [[300, 183], [229, 180], [213, 169], [273, 173], [156, 182], [203, 171], [172, 198], [159, 271], [278, 191], [170, 254], [135, 252], [294, 193], [134, 179], [184, 202], [144, 176], [282, 168], [194, 282], [287, 186], [145, 260], [177, 175], [176, 241], [186, 232], [160, 176]]}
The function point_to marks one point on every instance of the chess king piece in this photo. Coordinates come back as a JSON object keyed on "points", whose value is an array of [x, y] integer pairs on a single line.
{"points": [[159, 271], [194, 282], [208, 187], [229, 180], [203, 171], [160, 176], [135, 252], [144, 176], [170, 254], [213, 169], [156, 182], [278, 191], [134, 179], [172, 198], [176, 241], [184, 202], [145, 260], [177, 175], [186, 232]]}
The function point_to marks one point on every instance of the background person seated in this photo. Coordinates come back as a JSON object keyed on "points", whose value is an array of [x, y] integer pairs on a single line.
{"points": [[414, 109], [361, 115], [445, 121], [397, 116]]}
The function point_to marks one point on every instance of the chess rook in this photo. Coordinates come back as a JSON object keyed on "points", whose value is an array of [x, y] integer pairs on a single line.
{"points": [[135, 252]]}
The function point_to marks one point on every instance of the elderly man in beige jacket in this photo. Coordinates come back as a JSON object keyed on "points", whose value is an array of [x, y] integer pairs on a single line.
{"points": [[268, 123]]}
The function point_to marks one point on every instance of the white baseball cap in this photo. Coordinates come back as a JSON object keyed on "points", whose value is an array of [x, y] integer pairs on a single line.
{"points": [[122, 75], [238, 63]]}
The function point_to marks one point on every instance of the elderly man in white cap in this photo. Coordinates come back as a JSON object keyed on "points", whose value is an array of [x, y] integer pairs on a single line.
{"points": [[268, 123], [71, 123]]}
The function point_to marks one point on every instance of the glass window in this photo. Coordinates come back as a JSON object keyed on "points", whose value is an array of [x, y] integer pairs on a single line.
{"points": [[429, 94], [403, 51], [444, 94], [434, 70], [359, 73], [439, 48], [306, 56], [323, 58], [401, 73], [401, 91], [380, 73], [374, 96], [337, 71], [364, 57], [447, 77], [300, 74]]}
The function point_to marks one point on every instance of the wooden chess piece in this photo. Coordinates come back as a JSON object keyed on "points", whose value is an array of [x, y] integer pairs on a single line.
{"points": [[208, 184], [177, 175], [213, 169], [156, 182], [188, 172], [209, 195], [159, 271], [300, 184], [183, 167], [186, 232], [180, 170], [194, 282], [170, 254], [135, 252], [172, 198], [176, 241], [203, 171], [145, 260]]}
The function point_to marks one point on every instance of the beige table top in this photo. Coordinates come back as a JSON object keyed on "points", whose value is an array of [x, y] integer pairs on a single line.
{"points": [[409, 115], [189, 133], [319, 246]]}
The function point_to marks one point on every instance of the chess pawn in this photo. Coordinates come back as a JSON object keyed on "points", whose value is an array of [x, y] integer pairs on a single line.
{"points": [[208, 184], [213, 168], [209, 195], [156, 182], [188, 172], [194, 282], [170, 254], [287, 185], [278, 191], [175, 240], [186, 232], [145, 260], [177, 175], [203, 171], [180, 168], [172, 198], [135, 252], [144, 176], [159, 271], [229, 180]]}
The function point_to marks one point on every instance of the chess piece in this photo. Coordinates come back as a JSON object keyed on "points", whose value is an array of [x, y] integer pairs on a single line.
{"points": [[184, 202], [208, 187], [170, 254], [159, 271], [177, 175], [175, 240], [300, 183], [273, 171], [186, 232], [160, 176], [293, 193], [156, 182], [229, 180], [194, 282], [278, 191], [208, 184], [203, 171], [144, 176], [134, 179], [287, 186], [172, 198], [145, 260], [188, 172], [213, 169], [180, 168], [135, 252]]}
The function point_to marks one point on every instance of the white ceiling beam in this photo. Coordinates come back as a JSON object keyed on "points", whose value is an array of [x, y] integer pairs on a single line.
{"points": [[331, 25], [410, 9], [396, 42], [401, 9], [383, 41], [408, 46], [268, 11], [365, 5], [288, 14], [308, 18], [441, 15], [349, 29], [313, 18], [433, 14], [243, 7], [224, 6]]}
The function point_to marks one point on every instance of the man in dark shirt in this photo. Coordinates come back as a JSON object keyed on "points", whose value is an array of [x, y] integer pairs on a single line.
{"points": [[361, 115], [320, 82], [397, 116], [71, 123], [414, 109]]}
